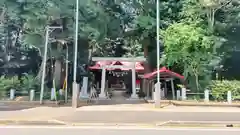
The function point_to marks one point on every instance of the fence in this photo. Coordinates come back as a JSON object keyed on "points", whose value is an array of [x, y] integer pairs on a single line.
{"points": [[33, 95], [183, 94]]}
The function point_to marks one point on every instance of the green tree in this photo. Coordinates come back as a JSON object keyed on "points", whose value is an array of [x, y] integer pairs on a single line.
{"points": [[189, 45]]}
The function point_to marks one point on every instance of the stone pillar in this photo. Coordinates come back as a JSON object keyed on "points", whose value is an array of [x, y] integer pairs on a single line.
{"points": [[103, 81], [53, 94], [61, 92], [83, 93], [134, 92], [32, 95], [206, 95], [178, 95], [229, 97], [12, 94], [184, 90]]}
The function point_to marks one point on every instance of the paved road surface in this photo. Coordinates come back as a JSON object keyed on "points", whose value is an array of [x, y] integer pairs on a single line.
{"points": [[146, 116], [6, 107], [114, 131]]}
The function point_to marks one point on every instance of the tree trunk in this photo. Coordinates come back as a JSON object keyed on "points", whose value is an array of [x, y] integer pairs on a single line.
{"points": [[197, 83], [57, 73], [146, 68], [39, 75]]}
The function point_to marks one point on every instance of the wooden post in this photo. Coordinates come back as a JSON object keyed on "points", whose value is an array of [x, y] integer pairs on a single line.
{"points": [[173, 90], [134, 93], [152, 89], [147, 85], [165, 89]]}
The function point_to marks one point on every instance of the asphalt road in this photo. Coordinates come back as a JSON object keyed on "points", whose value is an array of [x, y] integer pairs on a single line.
{"points": [[113, 131], [146, 116], [7, 107], [134, 116]]}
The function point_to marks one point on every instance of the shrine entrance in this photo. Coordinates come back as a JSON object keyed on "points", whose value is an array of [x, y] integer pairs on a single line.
{"points": [[119, 76]]}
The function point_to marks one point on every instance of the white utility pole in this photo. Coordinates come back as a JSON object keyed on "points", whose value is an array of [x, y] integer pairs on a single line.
{"points": [[48, 28], [158, 84], [75, 88]]}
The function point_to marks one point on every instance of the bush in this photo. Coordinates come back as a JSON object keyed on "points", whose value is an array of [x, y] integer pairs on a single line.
{"points": [[7, 83], [219, 89], [29, 82]]}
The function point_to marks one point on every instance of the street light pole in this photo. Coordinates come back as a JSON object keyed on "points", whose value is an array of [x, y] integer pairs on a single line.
{"points": [[48, 28], [75, 85], [158, 84]]}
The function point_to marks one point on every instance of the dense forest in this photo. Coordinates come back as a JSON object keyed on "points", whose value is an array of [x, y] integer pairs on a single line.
{"points": [[199, 38]]}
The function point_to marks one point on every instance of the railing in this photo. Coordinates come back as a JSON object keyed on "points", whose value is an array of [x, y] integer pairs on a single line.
{"points": [[206, 96], [31, 95]]}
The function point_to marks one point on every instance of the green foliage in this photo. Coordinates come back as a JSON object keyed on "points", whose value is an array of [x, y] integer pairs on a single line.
{"points": [[191, 46], [219, 89], [30, 82], [7, 83], [133, 48]]}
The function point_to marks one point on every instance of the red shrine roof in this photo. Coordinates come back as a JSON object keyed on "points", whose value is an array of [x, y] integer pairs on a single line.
{"points": [[164, 73]]}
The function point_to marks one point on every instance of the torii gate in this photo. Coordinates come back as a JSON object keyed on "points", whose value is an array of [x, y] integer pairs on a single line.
{"points": [[132, 67]]}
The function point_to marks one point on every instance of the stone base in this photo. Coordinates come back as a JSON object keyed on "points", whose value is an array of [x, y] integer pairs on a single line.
{"points": [[135, 97], [114, 102], [102, 96], [84, 97]]}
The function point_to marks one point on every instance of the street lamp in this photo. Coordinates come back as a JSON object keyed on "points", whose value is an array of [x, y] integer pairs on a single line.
{"points": [[75, 85], [158, 84], [49, 29]]}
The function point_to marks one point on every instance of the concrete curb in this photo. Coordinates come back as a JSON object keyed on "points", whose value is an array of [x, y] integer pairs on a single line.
{"points": [[57, 122], [45, 103], [176, 103], [206, 122], [146, 125], [154, 125], [202, 104], [84, 103]]}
